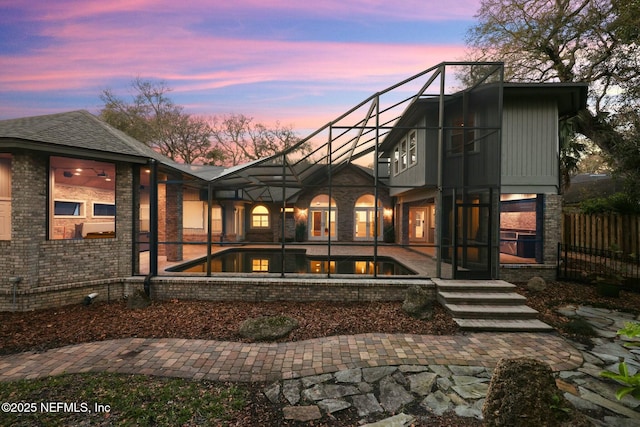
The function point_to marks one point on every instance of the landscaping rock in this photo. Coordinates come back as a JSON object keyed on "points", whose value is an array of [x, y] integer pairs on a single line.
{"points": [[333, 405], [422, 383], [291, 391], [437, 402], [349, 376], [400, 420], [273, 393], [366, 404], [392, 395], [371, 375], [536, 284], [267, 328], [418, 302]]}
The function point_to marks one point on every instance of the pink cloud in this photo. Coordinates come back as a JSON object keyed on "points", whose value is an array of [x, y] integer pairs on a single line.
{"points": [[433, 10], [92, 45]]}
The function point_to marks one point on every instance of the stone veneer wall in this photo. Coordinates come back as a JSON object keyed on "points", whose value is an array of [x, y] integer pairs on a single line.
{"points": [[55, 272]]}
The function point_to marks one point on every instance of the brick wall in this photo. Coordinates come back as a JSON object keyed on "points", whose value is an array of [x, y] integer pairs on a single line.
{"points": [[552, 227], [46, 268], [278, 289], [347, 187]]}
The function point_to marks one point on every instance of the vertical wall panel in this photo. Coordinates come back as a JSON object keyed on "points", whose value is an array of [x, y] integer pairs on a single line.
{"points": [[530, 142]]}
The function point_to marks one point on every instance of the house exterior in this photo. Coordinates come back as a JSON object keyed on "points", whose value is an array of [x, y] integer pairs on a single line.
{"points": [[480, 185], [469, 178]]}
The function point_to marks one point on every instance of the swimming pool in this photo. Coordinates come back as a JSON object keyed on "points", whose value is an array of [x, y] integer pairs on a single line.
{"points": [[247, 260]]}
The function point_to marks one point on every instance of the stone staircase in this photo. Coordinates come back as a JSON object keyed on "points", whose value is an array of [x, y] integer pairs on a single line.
{"points": [[488, 305]]}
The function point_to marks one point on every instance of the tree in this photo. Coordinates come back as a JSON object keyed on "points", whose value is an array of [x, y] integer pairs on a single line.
{"points": [[154, 119], [592, 41], [237, 139]]}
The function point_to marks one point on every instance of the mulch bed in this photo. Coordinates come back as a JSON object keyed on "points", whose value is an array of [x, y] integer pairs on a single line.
{"points": [[44, 329]]}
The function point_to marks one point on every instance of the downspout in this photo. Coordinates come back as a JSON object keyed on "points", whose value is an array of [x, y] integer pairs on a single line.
{"points": [[15, 281]]}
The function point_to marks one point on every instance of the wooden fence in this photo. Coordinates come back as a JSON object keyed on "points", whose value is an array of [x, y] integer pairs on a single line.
{"points": [[618, 233]]}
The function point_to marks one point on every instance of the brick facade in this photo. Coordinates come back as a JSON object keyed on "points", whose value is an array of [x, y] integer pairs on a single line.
{"points": [[38, 272], [258, 289], [348, 185]]}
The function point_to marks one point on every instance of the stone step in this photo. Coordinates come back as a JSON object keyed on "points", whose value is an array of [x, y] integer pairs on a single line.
{"points": [[493, 298], [484, 311], [474, 285], [503, 325]]}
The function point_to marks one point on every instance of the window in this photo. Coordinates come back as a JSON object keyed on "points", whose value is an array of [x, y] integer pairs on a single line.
{"points": [[104, 209], [462, 139], [413, 148], [259, 265], [5, 196], [63, 208], [396, 161], [82, 200], [260, 217], [216, 219], [403, 155], [194, 214]]}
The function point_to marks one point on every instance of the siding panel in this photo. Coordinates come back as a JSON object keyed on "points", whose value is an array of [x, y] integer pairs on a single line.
{"points": [[530, 143]]}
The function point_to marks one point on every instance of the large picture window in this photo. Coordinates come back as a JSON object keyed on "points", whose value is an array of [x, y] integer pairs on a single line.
{"points": [[82, 199]]}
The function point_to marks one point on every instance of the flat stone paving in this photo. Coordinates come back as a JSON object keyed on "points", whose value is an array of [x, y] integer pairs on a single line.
{"points": [[233, 361]]}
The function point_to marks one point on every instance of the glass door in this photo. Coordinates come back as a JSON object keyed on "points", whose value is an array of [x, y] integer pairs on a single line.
{"points": [[417, 224], [323, 224], [365, 223], [472, 253]]}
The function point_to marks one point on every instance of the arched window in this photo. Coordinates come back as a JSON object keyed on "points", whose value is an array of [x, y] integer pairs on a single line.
{"points": [[260, 217]]}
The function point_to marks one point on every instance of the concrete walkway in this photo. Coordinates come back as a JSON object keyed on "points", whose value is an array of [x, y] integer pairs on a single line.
{"points": [[232, 361]]}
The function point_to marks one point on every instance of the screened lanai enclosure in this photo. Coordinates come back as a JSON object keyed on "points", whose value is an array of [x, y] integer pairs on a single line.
{"points": [[406, 182]]}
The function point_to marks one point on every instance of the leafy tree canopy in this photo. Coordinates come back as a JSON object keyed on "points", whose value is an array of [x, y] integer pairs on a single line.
{"points": [[591, 41]]}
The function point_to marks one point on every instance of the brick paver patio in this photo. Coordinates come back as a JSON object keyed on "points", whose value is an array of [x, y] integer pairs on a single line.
{"points": [[233, 361]]}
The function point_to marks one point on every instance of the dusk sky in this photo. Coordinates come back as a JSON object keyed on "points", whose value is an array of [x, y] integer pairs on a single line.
{"points": [[298, 62]]}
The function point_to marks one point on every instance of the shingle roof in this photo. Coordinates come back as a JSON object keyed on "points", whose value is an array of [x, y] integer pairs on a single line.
{"points": [[76, 129]]}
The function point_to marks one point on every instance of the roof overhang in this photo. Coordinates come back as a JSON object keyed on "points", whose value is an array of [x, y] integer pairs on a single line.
{"points": [[15, 144], [570, 97]]}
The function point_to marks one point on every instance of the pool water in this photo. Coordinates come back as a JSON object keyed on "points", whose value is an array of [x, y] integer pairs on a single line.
{"points": [[296, 261]]}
